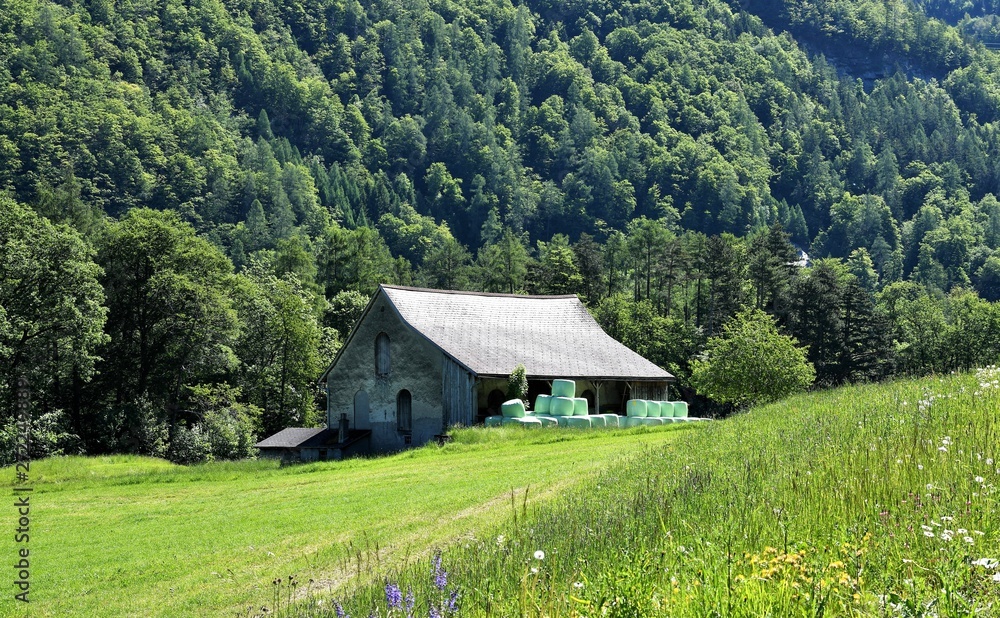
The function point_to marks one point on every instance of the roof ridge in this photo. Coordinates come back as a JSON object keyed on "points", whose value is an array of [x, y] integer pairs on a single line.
{"points": [[465, 293]]}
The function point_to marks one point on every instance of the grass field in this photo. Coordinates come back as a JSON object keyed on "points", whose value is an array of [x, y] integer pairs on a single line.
{"points": [[121, 536], [878, 500]]}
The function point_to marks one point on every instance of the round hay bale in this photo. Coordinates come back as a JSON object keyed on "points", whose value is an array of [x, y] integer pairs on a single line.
{"points": [[612, 420], [512, 408], [561, 406], [542, 403], [636, 408], [563, 388], [527, 421]]}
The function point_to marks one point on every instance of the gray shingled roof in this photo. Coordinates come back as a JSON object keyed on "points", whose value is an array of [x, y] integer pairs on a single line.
{"points": [[296, 437], [553, 336]]}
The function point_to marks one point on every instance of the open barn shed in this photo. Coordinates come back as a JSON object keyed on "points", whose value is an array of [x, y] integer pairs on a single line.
{"points": [[419, 361]]}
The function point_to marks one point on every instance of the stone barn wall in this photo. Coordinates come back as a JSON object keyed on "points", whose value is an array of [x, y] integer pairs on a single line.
{"points": [[414, 365]]}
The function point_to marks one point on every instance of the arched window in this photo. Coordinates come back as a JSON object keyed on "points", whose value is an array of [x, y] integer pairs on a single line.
{"points": [[382, 355], [404, 411]]}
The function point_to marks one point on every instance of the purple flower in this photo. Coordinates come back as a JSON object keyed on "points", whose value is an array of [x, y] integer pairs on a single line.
{"points": [[410, 600], [393, 595], [440, 575], [453, 602], [434, 613], [339, 610]]}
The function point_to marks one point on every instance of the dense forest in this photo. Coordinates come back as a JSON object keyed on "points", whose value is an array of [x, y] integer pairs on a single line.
{"points": [[199, 196]]}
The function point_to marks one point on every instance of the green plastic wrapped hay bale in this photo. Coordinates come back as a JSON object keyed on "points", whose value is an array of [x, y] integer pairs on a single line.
{"points": [[680, 409], [667, 420], [493, 421], [542, 404], [636, 408], [512, 408], [653, 420], [612, 420], [527, 421], [579, 406], [596, 420], [547, 421], [563, 388], [632, 421], [579, 422], [561, 406], [653, 409], [563, 421]]}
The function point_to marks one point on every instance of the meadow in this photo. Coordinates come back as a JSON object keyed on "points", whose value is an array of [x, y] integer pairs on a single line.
{"points": [[132, 536], [872, 500]]}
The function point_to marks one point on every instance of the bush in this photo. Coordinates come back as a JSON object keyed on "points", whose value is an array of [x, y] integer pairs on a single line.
{"points": [[189, 446], [47, 437], [517, 384], [751, 363]]}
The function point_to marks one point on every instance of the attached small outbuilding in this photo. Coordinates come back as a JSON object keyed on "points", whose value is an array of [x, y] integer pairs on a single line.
{"points": [[419, 361], [298, 444]]}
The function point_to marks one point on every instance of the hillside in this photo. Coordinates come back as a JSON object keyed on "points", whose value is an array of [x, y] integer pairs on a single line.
{"points": [[877, 500], [199, 197]]}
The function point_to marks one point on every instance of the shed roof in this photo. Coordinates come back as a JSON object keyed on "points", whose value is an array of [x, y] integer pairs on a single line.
{"points": [[296, 437], [552, 336]]}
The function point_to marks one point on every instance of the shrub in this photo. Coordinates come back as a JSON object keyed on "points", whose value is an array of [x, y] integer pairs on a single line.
{"points": [[517, 384], [751, 363]]}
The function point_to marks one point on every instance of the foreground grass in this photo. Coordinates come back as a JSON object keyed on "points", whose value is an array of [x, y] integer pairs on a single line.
{"points": [[874, 500], [119, 536]]}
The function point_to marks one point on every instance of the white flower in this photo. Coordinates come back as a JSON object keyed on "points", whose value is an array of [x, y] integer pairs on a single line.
{"points": [[943, 449], [928, 533], [930, 486], [578, 585], [980, 479], [682, 549], [534, 571], [962, 531], [500, 539], [920, 466], [996, 577], [987, 563], [947, 518], [539, 555], [989, 461], [968, 539]]}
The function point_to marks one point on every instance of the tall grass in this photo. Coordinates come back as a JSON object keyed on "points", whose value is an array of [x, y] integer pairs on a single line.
{"points": [[876, 500]]}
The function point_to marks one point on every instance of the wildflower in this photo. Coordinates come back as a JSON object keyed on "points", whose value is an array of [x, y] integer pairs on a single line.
{"points": [[946, 535], [434, 613], [989, 461], [578, 585], [928, 533], [500, 539], [980, 479], [440, 575], [453, 602], [987, 563], [996, 577], [409, 602], [393, 595], [962, 531], [968, 539], [338, 609], [539, 555], [943, 449], [534, 571], [682, 549], [920, 466]]}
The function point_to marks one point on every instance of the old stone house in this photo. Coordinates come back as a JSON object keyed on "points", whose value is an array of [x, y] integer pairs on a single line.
{"points": [[419, 361]]}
